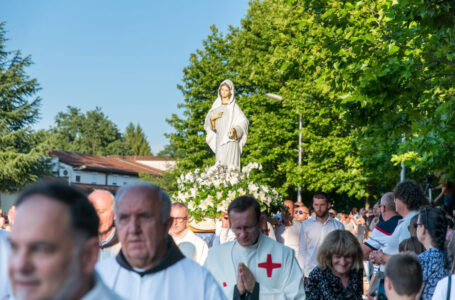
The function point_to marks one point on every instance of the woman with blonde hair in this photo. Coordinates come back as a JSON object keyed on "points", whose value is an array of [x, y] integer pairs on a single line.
{"points": [[339, 274]]}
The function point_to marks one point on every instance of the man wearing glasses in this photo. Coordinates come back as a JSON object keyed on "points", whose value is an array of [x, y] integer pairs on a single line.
{"points": [[301, 213], [190, 244], [254, 266]]}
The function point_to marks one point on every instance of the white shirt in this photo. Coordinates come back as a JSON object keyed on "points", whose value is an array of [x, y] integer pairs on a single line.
{"points": [[440, 293], [192, 246], [312, 234], [5, 288], [400, 233]]}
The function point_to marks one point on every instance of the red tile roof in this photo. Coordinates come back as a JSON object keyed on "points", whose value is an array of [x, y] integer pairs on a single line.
{"points": [[104, 164]]}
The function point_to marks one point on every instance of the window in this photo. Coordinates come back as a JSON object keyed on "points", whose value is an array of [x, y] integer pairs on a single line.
{"points": [[93, 178], [114, 179], [78, 178]]}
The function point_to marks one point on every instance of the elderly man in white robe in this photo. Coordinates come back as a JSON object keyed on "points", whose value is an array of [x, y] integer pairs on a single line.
{"points": [[226, 127], [189, 243], [254, 266], [103, 201], [150, 265]]}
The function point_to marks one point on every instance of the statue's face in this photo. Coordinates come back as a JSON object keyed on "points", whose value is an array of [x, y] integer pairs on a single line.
{"points": [[225, 92]]}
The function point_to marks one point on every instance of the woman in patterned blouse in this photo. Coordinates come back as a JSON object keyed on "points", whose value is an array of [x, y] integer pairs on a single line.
{"points": [[339, 274], [431, 231]]}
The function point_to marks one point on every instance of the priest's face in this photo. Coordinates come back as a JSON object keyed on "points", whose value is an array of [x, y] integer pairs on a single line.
{"points": [[43, 262], [245, 226], [141, 229], [180, 219]]}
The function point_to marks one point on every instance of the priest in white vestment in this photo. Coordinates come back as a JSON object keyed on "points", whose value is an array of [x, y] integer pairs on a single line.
{"points": [[254, 266], [226, 127], [150, 265], [189, 243]]}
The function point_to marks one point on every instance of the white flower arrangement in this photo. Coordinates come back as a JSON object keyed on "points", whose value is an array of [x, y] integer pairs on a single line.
{"points": [[209, 192]]}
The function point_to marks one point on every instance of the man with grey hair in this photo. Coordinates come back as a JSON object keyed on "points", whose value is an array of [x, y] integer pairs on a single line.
{"points": [[190, 244], [381, 233], [103, 201], [149, 264]]}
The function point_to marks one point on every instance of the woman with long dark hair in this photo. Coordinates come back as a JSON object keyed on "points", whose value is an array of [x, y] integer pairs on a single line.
{"points": [[431, 231]]}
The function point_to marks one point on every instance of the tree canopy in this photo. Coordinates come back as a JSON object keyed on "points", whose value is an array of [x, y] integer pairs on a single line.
{"points": [[371, 80], [21, 154]]}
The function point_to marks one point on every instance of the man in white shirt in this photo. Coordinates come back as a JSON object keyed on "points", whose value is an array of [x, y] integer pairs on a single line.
{"points": [[314, 230], [409, 198], [54, 246], [190, 244], [289, 231], [103, 201], [150, 265], [254, 266]]}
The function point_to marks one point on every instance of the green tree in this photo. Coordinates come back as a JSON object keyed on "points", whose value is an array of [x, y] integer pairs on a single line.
{"points": [[91, 133], [136, 141], [21, 154]]}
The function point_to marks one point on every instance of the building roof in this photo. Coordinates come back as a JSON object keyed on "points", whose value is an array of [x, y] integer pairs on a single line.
{"points": [[104, 164]]}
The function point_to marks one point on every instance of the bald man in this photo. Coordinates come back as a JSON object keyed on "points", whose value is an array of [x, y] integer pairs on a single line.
{"points": [[103, 201]]}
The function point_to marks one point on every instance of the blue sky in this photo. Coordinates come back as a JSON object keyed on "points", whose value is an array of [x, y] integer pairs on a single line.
{"points": [[126, 57]]}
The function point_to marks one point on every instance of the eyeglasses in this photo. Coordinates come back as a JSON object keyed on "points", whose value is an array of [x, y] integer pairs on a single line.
{"points": [[180, 219]]}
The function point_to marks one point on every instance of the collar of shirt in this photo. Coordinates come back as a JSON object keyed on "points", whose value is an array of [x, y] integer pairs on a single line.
{"points": [[172, 256], [409, 216], [329, 220]]}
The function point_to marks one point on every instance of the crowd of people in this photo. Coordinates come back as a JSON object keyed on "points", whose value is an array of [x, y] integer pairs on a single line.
{"points": [[137, 244]]}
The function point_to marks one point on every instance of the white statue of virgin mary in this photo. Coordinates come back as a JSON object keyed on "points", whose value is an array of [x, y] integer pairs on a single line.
{"points": [[226, 127]]}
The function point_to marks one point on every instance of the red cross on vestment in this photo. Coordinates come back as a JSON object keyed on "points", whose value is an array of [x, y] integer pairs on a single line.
{"points": [[269, 265]]}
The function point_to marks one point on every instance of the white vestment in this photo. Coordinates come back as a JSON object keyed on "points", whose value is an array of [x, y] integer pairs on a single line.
{"points": [[5, 288], [273, 266], [175, 277], [192, 246], [101, 292], [110, 247], [227, 149]]}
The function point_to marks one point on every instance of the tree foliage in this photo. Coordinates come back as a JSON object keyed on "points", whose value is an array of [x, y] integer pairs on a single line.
{"points": [[136, 141], [21, 154], [91, 132], [362, 74]]}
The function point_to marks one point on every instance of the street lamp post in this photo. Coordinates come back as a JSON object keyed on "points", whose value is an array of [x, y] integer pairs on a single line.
{"points": [[279, 98]]}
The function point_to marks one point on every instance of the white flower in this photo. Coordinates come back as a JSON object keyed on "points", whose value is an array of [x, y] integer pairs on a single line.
{"points": [[241, 191], [252, 188], [205, 204], [193, 192], [219, 195], [268, 200], [265, 188], [191, 205], [234, 180], [217, 183], [261, 196], [223, 206], [231, 195]]}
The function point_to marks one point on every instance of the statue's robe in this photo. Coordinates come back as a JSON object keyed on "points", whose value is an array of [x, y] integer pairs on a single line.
{"points": [[227, 149]]}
